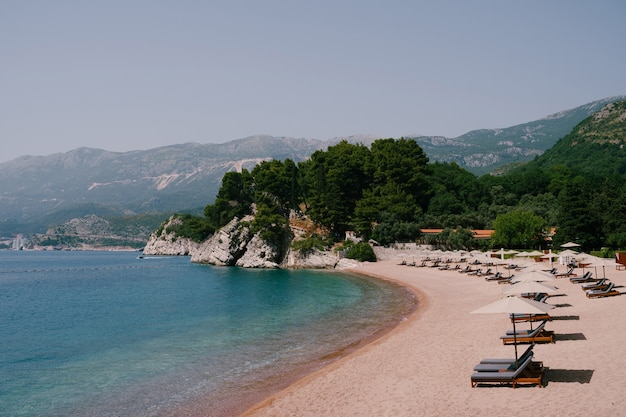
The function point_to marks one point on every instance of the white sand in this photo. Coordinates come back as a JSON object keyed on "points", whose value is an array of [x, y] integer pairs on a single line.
{"points": [[423, 367]]}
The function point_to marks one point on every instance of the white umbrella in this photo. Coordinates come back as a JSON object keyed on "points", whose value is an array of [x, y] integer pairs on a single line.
{"points": [[551, 256], [515, 305], [533, 275], [532, 254], [603, 262], [529, 287], [570, 245]]}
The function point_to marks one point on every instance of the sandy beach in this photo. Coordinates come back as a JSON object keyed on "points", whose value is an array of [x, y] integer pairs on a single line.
{"points": [[423, 366]]}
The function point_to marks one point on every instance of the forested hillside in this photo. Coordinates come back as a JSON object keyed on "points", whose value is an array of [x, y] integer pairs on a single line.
{"points": [[390, 190]]}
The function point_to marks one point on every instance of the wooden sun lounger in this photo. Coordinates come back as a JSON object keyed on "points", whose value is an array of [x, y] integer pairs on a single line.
{"points": [[524, 374], [538, 335], [569, 273], [522, 357], [587, 277], [527, 332], [599, 284]]}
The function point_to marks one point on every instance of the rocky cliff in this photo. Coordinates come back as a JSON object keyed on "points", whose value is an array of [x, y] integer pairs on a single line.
{"points": [[165, 242], [235, 245]]}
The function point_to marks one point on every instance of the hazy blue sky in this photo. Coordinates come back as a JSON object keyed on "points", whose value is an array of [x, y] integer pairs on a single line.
{"points": [[127, 75]]}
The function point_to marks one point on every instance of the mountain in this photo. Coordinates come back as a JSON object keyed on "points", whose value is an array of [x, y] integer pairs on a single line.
{"points": [[483, 151], [40, 192], [596, 146]]}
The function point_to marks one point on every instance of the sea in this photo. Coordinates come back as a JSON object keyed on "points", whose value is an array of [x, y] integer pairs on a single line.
{"points": [[88, 333]]}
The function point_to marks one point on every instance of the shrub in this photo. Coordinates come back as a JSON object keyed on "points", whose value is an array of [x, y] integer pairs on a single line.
{"points": [[362, 252]]}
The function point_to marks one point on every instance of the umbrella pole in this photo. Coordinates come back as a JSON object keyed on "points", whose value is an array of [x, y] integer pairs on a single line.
{"points": [[515, 341]]}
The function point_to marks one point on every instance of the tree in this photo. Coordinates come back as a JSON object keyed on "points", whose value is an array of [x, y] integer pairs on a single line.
{"points": [[518, 229], [334, 182], [233, 199], [278, 178], [577, 220]]}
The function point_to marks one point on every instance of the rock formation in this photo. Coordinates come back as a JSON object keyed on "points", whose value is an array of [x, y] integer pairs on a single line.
{"points": [[235, 245], [165, 242]]}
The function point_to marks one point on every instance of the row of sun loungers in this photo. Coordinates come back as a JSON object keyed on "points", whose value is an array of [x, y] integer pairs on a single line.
{"points": [[595, 288]]}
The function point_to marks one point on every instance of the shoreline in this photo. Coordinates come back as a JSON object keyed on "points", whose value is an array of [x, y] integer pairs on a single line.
{"points": [[258, 389], [423, 365], [421, 301]]}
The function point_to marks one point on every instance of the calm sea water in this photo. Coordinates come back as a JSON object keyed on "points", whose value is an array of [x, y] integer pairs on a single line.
{"points": [[107, 334]]}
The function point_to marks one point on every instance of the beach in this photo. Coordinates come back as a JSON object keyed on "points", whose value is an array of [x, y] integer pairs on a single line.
{"points": [[423, 366]]}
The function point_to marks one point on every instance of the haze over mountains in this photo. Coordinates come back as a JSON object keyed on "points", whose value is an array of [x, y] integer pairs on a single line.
{"points": [[40, 192]]}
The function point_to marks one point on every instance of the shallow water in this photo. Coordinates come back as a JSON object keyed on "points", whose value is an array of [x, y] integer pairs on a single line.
{"points": [[105, 333]]}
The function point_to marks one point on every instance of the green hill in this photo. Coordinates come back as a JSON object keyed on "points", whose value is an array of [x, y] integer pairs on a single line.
{"points": [[595, 146]]}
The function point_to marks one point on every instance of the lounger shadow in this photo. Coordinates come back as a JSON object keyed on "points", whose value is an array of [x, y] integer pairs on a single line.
{"points": [[581, 376], [570, 336]]}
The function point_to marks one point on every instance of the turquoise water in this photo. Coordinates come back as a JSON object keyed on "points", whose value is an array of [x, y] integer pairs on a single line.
{"points": [[105, 333]]}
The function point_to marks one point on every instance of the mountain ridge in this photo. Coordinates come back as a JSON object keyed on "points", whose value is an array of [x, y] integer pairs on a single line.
{"points": [[36, 190]]}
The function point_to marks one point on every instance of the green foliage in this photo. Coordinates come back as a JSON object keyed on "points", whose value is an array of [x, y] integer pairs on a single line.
{"points": [[313, 242], [518, 229], [280, 179], [386, 192], [361, 251], [392, 230], [233, 199], [270, 221], [335, 180], [191, 227]]}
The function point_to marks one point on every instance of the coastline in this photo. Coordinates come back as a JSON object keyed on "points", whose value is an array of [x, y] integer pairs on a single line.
{"points": [[423, 365]]}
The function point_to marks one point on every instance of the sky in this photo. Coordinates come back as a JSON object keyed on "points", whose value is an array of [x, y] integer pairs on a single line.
{"points": [[140, 74]]}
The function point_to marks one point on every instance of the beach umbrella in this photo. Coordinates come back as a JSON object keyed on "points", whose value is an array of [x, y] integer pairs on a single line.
{"points": [[514, 305], [604, 263], [570, 245], [529, 287], [533, 275], [567, 253], [552, 256], [531, 254]]}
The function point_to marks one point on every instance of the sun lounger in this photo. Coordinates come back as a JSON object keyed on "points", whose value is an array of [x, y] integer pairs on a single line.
{"points": [[475, 272], [524, 374], [508, 364], [569, 273], [607, 292], [508, 361], [539, 296], [495, 277], [486, 273], [587, 277], [526, 332], [538, 335], [598, 284]]}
